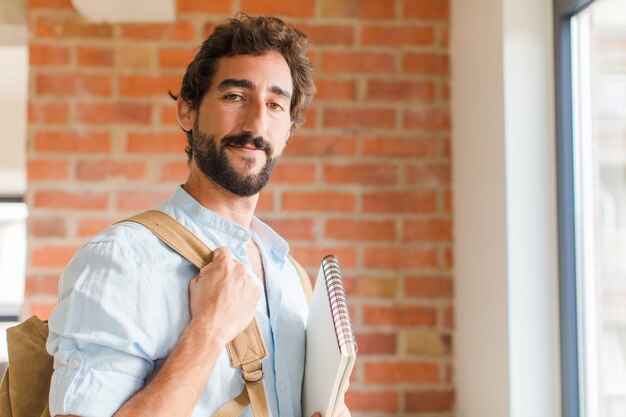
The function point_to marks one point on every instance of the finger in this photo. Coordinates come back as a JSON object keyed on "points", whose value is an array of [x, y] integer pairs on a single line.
{"points": [[220, 255], [222, 251]]}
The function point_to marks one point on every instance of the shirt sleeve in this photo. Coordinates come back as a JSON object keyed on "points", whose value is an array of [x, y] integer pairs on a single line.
{"points": [[104, 332]]}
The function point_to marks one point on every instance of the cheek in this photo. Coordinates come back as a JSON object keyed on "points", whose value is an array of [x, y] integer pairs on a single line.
{"points": [[281, 142], [218, 124]]}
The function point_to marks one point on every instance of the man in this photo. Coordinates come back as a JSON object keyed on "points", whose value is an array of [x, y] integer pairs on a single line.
{"points": [[138, 332]]}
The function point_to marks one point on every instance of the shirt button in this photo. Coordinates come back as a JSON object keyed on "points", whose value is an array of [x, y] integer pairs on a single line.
{"points": [[241, 233], [74, 364], [282, 387]]}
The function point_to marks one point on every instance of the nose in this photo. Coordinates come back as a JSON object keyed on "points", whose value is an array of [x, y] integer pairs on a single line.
{"points": [[255, 119]]}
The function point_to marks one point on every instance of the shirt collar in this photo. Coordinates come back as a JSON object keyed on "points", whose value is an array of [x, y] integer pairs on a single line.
{"points": [[201, 215]]}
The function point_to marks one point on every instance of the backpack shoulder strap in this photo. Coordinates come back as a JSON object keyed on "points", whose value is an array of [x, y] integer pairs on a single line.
{"points": [[304, 279], [175, 235], [247, 349]]}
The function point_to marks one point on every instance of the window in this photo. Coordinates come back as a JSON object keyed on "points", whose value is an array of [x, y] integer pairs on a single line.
{"points": [[592, 205], [14, 87], [13, 215]]}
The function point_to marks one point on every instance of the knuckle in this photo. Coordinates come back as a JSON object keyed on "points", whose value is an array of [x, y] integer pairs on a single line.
{"points": [[256, 292], [229, 265], [221, 252]]}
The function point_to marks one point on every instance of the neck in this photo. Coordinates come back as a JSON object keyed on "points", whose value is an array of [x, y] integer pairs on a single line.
{"points": [[235, 208]]}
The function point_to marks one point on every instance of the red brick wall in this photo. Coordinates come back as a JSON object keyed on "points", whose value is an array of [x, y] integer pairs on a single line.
{"points": [[367, 177]]}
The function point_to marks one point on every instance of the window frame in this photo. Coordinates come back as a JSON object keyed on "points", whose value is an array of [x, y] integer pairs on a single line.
{"points": [[564, 10]]}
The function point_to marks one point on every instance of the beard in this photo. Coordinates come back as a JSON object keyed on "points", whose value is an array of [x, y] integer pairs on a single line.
{"points": [[213, 161]]}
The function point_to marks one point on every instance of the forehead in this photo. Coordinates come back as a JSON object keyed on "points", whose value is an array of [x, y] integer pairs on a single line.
{"points": [[263, 71]]}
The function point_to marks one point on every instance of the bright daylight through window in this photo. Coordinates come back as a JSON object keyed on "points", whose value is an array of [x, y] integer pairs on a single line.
{"points": [[13, 212], [12, 253], [599, 126]]}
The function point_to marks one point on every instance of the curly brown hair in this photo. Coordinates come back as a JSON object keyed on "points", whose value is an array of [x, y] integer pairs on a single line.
{"points": [[251, 35]]}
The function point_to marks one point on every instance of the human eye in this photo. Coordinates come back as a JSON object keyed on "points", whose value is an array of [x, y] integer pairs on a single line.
{"points": [[233, 97], [275, 106]]}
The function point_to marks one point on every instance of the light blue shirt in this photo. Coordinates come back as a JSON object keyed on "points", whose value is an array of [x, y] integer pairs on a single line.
{"points": [[123, 304]]}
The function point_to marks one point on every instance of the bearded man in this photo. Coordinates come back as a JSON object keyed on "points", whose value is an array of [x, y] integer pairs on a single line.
{"points": [[138, 331]]}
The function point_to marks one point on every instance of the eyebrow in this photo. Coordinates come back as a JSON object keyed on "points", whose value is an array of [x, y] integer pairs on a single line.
{"points": [[281, 92], [233, 82]]}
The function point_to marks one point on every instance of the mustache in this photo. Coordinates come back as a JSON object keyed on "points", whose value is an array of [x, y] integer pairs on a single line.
{"points": [[245, 139]]}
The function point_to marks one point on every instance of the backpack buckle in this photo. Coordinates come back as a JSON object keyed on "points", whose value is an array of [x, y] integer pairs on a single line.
{"points": [[253, 377]]}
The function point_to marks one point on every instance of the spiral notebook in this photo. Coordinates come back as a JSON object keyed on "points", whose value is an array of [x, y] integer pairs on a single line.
{"points": [[330, 343]]}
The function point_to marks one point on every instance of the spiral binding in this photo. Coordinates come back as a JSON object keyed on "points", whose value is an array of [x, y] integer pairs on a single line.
{"points": [[339, 305]]}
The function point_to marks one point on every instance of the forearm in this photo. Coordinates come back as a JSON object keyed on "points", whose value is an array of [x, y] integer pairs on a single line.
{"points": [[176, 387], [222, 302]]}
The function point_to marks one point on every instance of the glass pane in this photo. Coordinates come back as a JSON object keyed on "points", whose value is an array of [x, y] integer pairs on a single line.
{"points": [[599, 102], [12, 268], [12, 257]]}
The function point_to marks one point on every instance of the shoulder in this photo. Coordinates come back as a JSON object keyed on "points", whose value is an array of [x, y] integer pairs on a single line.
{"points": [[131, 237], [123, 233], [123, 249], [121, 241]]}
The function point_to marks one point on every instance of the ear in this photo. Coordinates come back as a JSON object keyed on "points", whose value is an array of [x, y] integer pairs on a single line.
{"points": [[184, 114]]}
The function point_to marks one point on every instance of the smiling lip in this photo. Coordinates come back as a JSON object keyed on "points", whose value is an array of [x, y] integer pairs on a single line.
{"points": [[246, 147]]}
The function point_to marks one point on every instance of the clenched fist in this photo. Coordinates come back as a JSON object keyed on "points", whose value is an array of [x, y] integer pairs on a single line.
{"points": [[223, 296]]}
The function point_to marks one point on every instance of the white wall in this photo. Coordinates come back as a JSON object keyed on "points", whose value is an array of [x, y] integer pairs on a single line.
{"points": [[531, 209], [116, 11], [13, 108], [506, 282], [481, 342]]}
